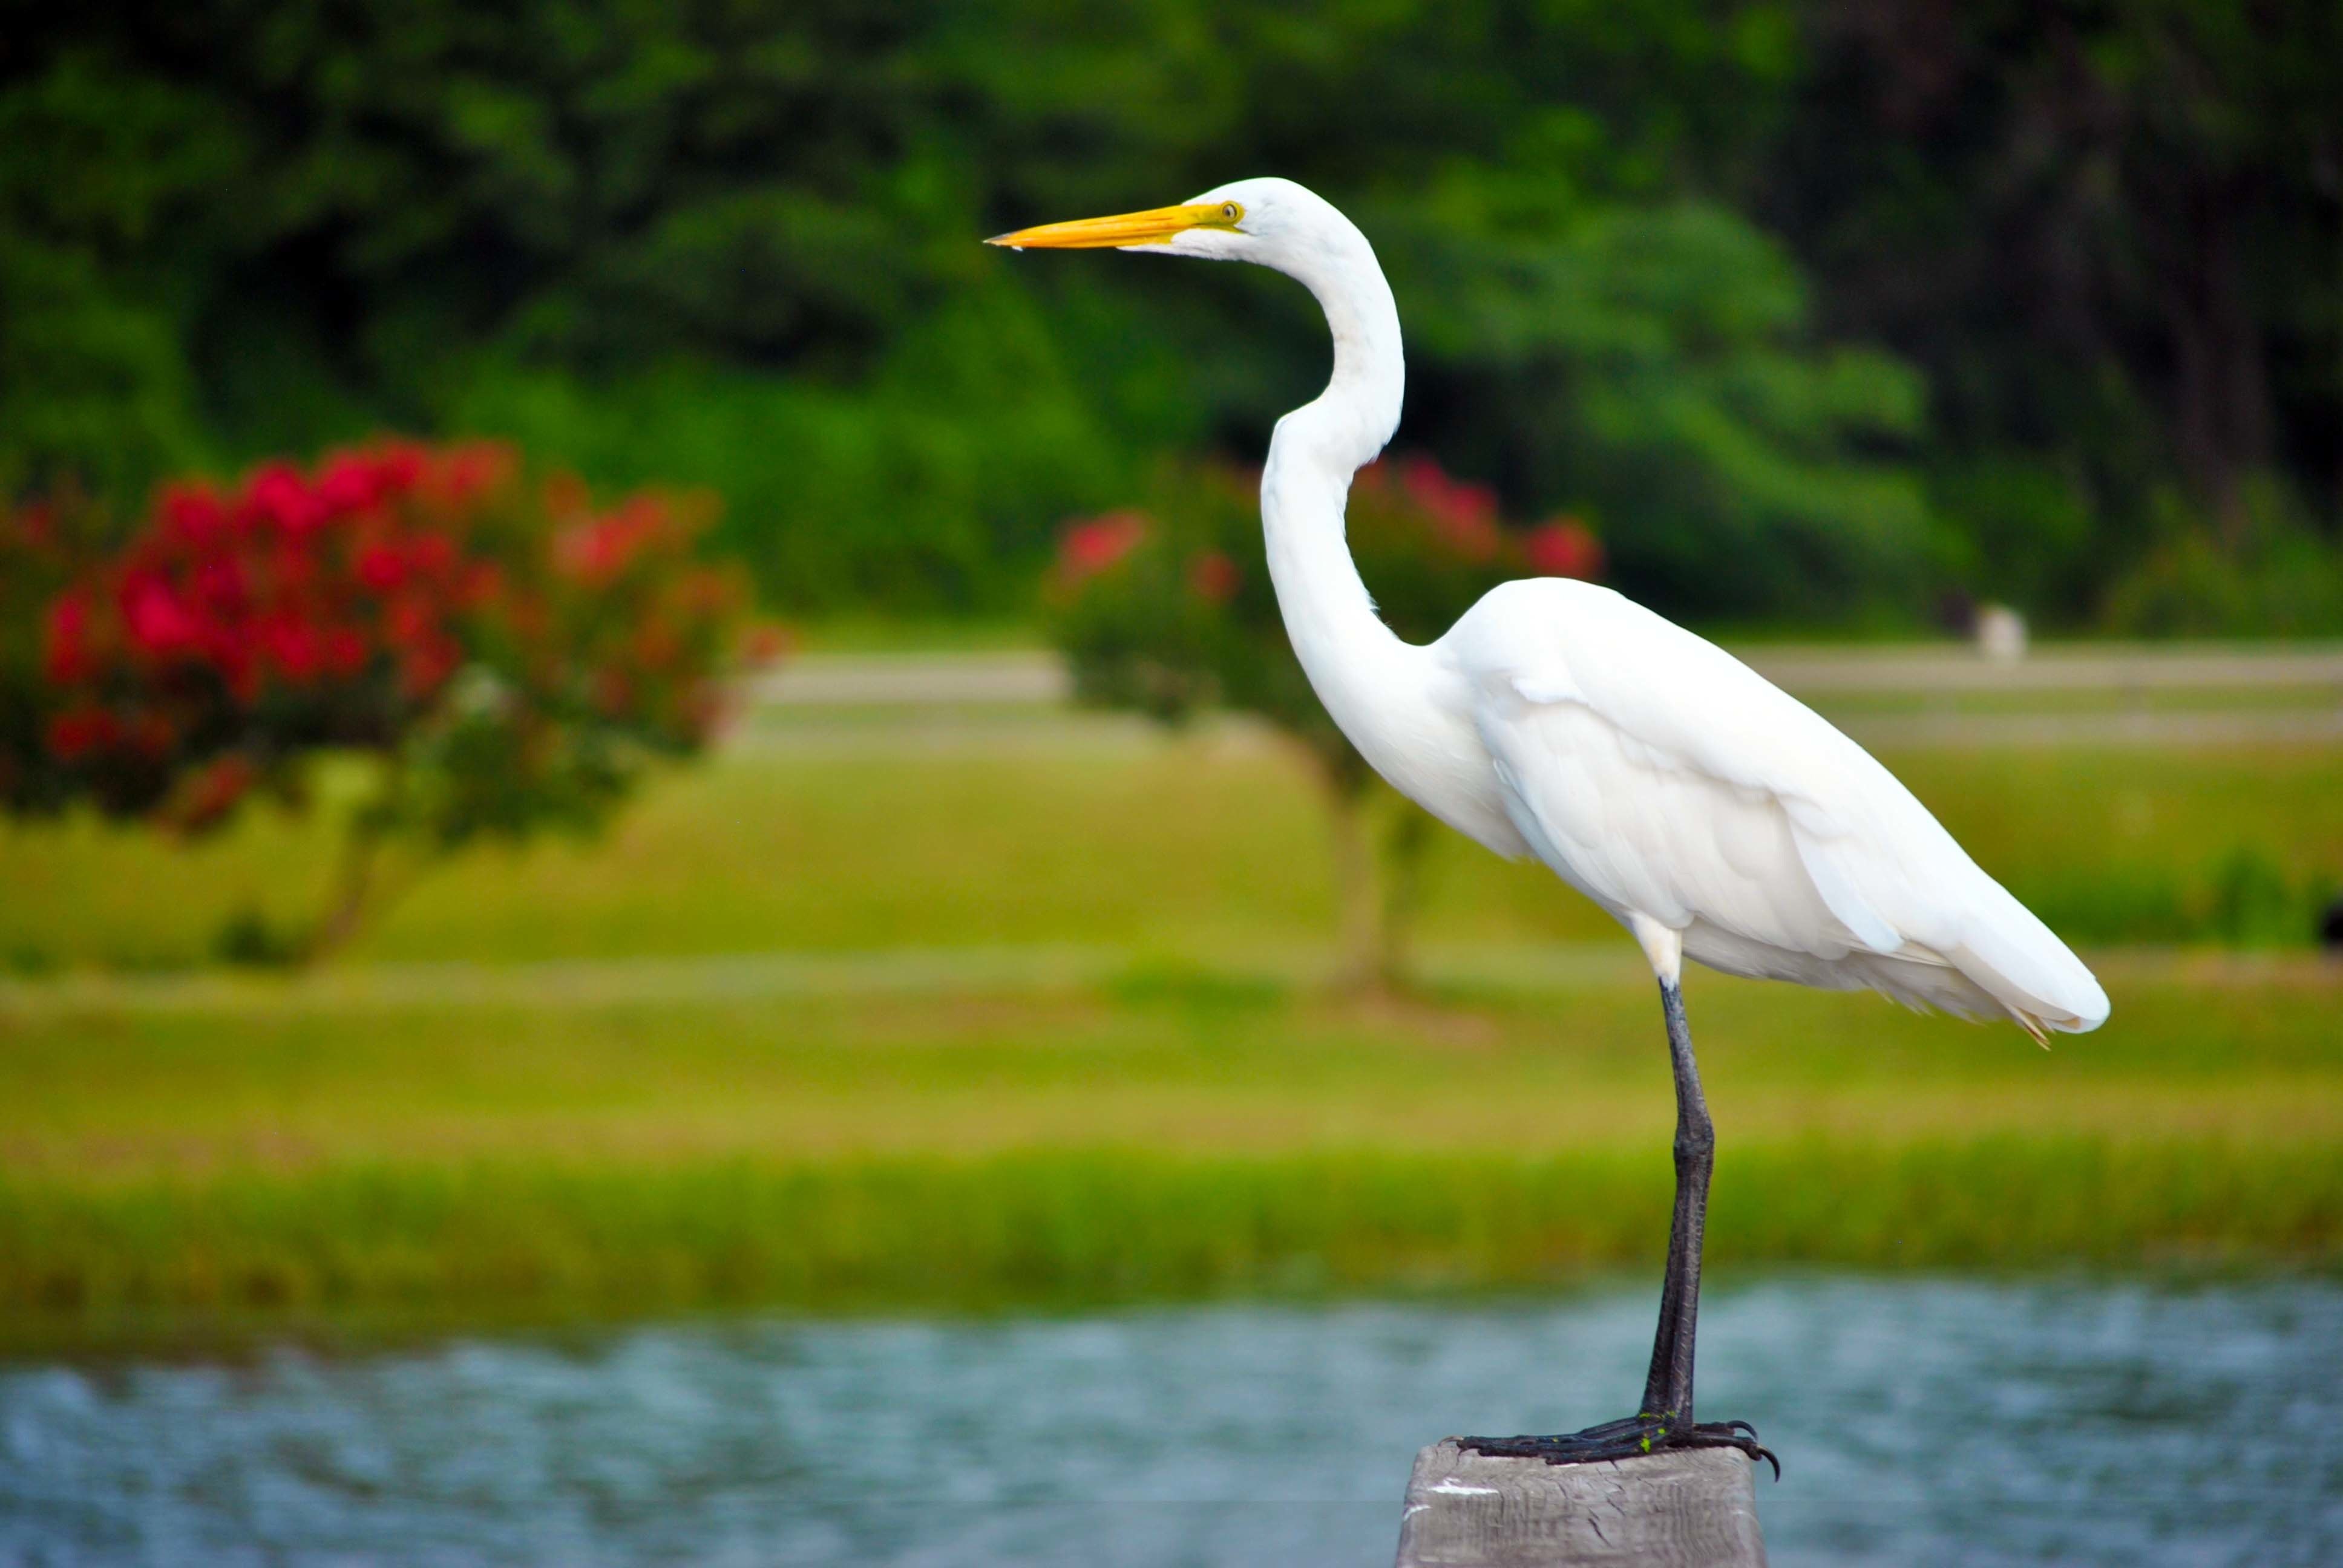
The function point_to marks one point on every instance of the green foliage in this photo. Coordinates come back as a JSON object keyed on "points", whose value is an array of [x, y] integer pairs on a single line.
{"points": [[2107, 236], [1650, 256], [2276, 573], [1653, 366], [913, 489], [98, 167]]}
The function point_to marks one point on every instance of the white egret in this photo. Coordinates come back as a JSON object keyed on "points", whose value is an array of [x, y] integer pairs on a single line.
{"points": [[1711, 814]]}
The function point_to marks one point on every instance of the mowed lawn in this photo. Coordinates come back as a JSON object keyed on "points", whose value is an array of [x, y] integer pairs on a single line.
{"points": [[1020, 1006], [884, 832], [560, 1066]]}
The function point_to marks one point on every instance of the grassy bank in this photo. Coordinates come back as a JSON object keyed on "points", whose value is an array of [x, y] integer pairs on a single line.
{"points": [[989, 1006], [180, 1256], [178, 1160], [837, 833]]}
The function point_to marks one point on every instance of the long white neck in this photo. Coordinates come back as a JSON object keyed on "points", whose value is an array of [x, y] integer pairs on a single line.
{"points": [[1368, 678]]}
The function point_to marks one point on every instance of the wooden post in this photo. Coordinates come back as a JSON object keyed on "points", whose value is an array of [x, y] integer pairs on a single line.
{"points": [[1691, 1508]]}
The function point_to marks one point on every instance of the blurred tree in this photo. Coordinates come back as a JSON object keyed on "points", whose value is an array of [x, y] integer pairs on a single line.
{"points": [[2110, 234], [733, 244], [1169, 610], [506, 656], [101, 172], [1654, 365]]}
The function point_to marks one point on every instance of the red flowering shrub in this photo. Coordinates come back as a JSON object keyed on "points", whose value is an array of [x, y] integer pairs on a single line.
{"points": [[1563, 547], [508, 654], [1169, 608], [1096, 545]]}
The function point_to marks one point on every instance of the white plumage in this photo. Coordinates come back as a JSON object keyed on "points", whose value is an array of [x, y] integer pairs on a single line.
{"points": [[1713, 814], [1665, 778]]}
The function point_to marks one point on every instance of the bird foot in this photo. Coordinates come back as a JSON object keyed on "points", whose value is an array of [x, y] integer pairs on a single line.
{"points": [[1632, 1438]]}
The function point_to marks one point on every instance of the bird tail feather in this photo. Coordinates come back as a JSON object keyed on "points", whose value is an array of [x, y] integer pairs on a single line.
{"points": [[2007, 949]]}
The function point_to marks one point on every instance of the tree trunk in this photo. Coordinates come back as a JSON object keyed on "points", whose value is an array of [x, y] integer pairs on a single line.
{"points": [[1404, 841], [358, 892], [354, 885], [2220, 399], [1358, 898], [1378, 875]]}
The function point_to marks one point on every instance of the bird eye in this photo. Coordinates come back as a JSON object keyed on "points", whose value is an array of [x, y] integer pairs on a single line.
{"points": [[1230, 211]]}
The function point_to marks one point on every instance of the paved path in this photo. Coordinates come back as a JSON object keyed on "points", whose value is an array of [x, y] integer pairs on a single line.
{"points": [[2307, 678], [1934, 667], [858, 680], [1913, 732], [841, 680]]}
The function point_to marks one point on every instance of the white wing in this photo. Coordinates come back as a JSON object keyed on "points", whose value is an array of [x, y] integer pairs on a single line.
{"points": [[1662, 776]]}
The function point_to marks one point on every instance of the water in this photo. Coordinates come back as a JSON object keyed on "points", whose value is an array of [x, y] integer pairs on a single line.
{"points": [[1920, 1421]]}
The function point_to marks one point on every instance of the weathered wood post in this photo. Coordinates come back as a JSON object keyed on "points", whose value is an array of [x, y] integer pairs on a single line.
{"points": [[1692, 1509]]}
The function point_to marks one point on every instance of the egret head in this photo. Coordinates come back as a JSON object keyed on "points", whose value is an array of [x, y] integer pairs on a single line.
{"points": [[1279, 225], [1258, 220]]}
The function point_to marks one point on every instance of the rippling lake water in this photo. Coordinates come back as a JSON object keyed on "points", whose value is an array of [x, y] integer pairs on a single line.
{"points": [[1919, 1421]]}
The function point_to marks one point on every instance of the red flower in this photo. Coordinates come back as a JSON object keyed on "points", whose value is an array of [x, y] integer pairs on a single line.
{"points": [[345, 651], [432, 556], [292, 570], [275, 496], [410, 622], [67, 657], [1465, 514], [1214, 578], [400, 466], [1564, 548], [159, 625], [1451, 500], [81, 730], [483, 583], [349, 482], [381, 568], [1091, 547], [219, 584], [423, 668], [471, 470], [193, 514], [592, 552], [767, 643], [233, 656], [332, 606], [612, 690], [293, 646]]}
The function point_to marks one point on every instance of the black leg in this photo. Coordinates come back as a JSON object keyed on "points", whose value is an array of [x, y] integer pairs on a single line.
{"points": [[1667, 1390], [1664, 1420]]}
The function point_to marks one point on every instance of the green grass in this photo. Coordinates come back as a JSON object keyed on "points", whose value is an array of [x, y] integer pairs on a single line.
{"points": [[262, 1251], [125, 1081], [1027, 1009], [829, 835], [284, 1153]]}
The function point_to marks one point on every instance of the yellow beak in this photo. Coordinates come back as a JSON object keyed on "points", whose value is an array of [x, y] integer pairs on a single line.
{"points": [[1150, 227]]}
